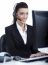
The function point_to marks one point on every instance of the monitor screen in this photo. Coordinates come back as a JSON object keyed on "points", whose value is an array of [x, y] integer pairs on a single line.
{"points": [[40, 23]]}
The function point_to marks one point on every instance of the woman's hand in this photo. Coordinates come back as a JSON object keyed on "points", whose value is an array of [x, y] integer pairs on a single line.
{"points": [[38, 54]]}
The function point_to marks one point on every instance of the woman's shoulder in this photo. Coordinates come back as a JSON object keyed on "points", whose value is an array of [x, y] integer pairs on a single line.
{"points": [[9, 27], [29, 26]]}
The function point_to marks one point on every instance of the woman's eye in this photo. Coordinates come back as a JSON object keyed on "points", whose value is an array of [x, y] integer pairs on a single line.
{"points": [[21, 13], [27, 13]]}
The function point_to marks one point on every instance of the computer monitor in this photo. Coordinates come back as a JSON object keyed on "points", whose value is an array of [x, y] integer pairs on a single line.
{"points": [[40, 23]]}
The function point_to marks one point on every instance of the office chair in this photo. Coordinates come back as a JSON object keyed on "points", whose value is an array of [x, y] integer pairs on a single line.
{"points": [[40, 23], [2, 43]]}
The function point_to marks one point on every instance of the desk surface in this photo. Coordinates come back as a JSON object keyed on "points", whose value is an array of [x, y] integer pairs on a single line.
{"points": [[23, 63], [43, 49], [29, 63]]}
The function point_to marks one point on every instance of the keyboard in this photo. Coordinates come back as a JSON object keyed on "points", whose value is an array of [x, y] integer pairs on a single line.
{"points": [[42, 57]]}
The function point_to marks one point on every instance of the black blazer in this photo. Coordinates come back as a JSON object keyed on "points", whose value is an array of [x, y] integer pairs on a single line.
{"points": [[15, 44]]}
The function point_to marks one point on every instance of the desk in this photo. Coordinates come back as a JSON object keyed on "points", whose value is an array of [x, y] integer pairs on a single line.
{"points": [[23, 63], [45, 50], [30, 63]]}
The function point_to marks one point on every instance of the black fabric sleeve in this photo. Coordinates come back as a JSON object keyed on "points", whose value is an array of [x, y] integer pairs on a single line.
{"points": [[34, 48], [10, 47]]}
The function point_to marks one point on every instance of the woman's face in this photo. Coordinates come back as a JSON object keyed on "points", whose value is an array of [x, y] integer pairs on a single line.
{"points": [[22, 15]]}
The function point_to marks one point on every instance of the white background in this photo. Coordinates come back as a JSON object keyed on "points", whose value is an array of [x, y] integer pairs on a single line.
{"points": [[6, 10]]}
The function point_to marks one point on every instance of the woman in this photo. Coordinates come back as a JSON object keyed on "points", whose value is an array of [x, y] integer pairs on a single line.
{"points": [[20, 37]]}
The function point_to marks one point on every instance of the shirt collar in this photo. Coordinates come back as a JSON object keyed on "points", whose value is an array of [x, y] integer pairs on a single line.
{"points": [[19, 27]]}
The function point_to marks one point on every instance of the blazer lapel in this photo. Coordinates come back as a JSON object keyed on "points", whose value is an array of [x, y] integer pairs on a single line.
{"points": [[17, 36], [29, 35]]}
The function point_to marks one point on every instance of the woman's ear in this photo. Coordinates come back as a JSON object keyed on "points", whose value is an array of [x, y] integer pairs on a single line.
{"points": [[16, 14]]}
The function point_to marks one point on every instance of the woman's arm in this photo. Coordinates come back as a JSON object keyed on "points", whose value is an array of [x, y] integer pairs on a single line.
{"points": [[10, 47]]}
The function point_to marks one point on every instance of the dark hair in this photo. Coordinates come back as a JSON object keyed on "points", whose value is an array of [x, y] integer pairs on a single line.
{"points": [[17, 7]]}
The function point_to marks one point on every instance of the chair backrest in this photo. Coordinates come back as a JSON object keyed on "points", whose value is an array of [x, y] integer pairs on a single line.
{"points": [[40, 22], [2, 43]]}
